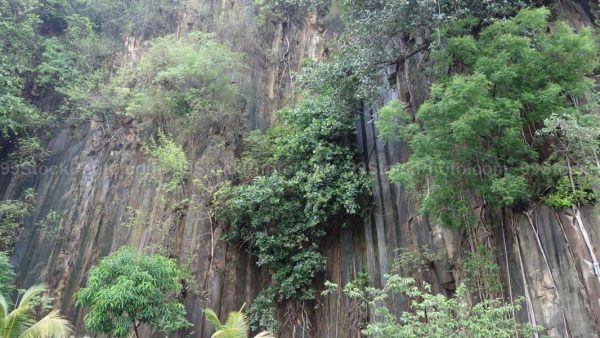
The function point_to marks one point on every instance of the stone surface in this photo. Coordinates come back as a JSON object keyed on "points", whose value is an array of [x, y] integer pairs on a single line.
{"points": [[106, 190]]}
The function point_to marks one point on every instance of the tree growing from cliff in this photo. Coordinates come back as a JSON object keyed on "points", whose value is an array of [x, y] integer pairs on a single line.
{"points": [[22, 322], [477, 136], [128, 289]]}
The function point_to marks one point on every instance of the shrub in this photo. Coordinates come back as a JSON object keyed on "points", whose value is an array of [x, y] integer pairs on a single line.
{"points": [[195, 82], [7, 273], [432, 315]]}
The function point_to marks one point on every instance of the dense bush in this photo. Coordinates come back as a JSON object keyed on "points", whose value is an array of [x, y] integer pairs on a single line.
{"points": [[172, 160], [7, 273]]}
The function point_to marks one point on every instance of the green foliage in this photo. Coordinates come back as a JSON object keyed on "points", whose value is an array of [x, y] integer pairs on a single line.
{"points": [[415, 261], [576, 149], [283, 215], [477, 131], [262, 312], [236, 326], [172, 159], [22, 321], [51, 226], [56, 58], [128, 289], [257, 156], [482, 273], [17, 25], [12, 216], [562, 195], [274, 11], [195, 80], [432, 315], [392, 118], [7, 273], [139, 18], [360, 55]]}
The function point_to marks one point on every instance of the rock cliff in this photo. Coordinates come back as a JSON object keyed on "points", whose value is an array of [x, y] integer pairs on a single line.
{"points": [[107, 193]]}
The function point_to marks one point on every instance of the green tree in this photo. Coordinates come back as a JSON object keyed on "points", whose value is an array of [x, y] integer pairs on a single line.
{"points": [[431, 315], [21, 321], [128, 289], [477, 134], [236, 325]]}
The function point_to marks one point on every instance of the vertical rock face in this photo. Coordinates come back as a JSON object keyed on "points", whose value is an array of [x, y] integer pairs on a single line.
{"points": [[106, 190]]}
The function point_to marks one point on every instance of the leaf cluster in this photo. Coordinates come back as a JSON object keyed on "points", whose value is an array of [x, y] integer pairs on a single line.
{"points": [[432, 315], [195, 81]]}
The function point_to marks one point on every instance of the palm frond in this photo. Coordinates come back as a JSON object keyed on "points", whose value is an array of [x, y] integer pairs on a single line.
{"points": [[265, 334], [17, 321], [212, 317], [3, 309], [229, 332], [51, 326], [30, 295], [237, 323]]}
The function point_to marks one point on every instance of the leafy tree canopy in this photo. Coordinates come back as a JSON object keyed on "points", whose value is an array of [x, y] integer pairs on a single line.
{"points": [[480, 130], [128, 289]]}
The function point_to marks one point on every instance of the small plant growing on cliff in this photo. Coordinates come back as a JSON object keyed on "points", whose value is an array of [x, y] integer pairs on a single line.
{"points": [[129, 289], [12, 216], [431, 315], [482, 273], [172, 159]]}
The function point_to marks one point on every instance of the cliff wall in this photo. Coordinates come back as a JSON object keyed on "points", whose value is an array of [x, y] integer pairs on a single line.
{"points": [[107, 193]]}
